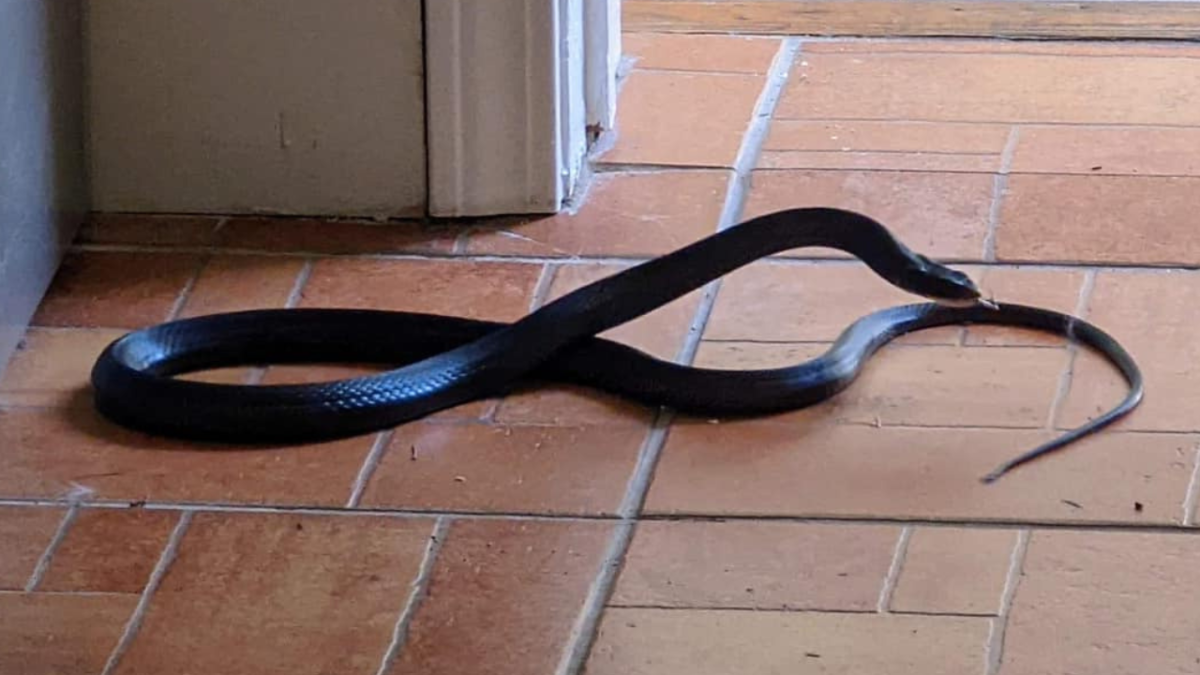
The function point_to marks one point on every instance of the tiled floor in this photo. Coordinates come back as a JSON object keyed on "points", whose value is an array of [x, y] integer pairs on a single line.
{"points": [[557, 531]]}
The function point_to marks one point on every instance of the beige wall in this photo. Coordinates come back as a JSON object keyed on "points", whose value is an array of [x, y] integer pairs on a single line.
{"points": [[236, 106], [42, 183]]}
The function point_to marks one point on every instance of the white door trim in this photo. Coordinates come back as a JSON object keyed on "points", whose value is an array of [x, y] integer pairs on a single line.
{"points": [[602, 47], [508, 89]]}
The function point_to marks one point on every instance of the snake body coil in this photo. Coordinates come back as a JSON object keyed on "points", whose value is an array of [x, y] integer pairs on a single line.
{"points": [[446, 361]]}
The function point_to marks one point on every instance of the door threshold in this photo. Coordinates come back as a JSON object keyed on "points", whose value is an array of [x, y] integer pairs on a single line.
{"points": [[1176, 20]]}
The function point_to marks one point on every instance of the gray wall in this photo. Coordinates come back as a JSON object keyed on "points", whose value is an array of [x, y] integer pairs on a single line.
{"points": [[42, 187], [308, 107]]}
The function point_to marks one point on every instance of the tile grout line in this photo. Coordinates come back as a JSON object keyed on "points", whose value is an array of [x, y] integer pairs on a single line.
{"points": [[139, 612], [848, 422], [1149, 44], [257, 373], [541, 289], [59, 503], [999, 186], [1066, 379], [60, 533], [462, 240], [783, 609], [652, 168], [1172, 267], [222, 221], [864, 151], [370, 464], [739, 182], [302, 277], [893, 573], [1084, 306], [341, 511], [638, 487], [993, 122], [964, 331], [1189, 497], [587, 622], [995, 647], [756, 134], [583, 633], [420, 588], [490, 411], [1049, 524], [687, 71], [186, 292]]}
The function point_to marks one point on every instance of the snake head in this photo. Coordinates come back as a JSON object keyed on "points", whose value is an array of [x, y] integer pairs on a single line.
{"points": [[943, 285]]}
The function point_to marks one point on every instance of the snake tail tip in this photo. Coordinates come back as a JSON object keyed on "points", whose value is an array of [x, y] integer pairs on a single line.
{"points": [[992, 477]]}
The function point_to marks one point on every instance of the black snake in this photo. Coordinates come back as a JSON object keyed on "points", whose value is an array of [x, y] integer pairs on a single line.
{"points": [[446, 361]]}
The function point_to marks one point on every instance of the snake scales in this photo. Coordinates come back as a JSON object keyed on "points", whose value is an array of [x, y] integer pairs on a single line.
{"points": [[442, 361]]}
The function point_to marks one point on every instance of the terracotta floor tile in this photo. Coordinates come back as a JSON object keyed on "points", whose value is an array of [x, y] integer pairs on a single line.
{"points": [[1105, 219], [715, 642], [1145, 151], [623, 214], [1153, 315], [1097, 387], [954, 571], [237, 283], [57, 634], [756, 565], [923, 385], [771, 302], [26, 532], [52, 367], [220, 375], [899, 146], [50, 452], [109, 551], [276, 593], [683, 119], [521, 469], [756, 355], [479, 290], [311, 235], [1105, 602], [566, 405], [312, 374], [954, 386], [115, 289], [712, 53], [148, 229], [1058, 290], [660, 333], [503, 598], [910, 132], [818, 469], [993, 87], [941, 215], [762, 303], [1061, 48]]}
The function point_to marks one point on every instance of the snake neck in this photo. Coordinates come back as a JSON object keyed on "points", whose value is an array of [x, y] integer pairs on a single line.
{"points": [[847, 231]]}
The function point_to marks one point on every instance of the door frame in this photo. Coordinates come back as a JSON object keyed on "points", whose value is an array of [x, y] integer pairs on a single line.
{"points": [[513, 88]]}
